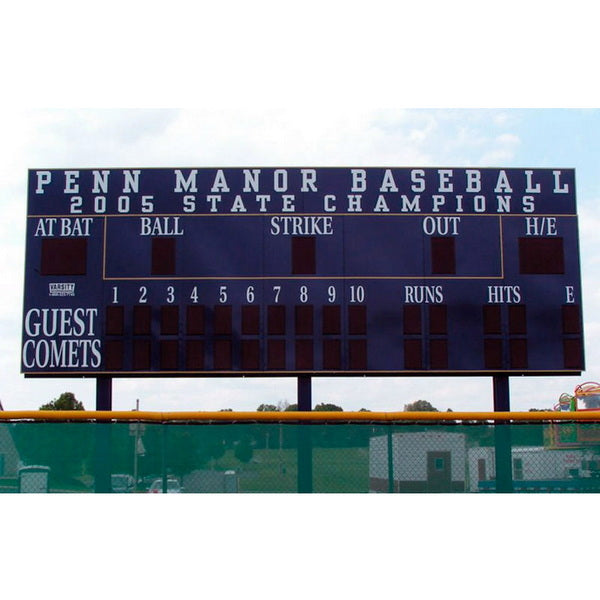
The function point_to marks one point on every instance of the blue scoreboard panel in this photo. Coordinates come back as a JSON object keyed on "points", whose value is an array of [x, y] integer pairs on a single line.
{"points": [[289, 271]]}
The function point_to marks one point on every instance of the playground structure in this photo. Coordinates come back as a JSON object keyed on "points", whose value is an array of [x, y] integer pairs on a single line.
{"points": [[588, 393], [585, 397]]}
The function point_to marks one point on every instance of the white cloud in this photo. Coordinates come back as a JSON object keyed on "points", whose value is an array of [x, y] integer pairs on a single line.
{"points": [[501, 150], [508, 139]]}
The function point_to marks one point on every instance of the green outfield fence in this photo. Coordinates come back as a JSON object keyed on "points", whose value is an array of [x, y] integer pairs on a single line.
{"points": [[298, 452]]}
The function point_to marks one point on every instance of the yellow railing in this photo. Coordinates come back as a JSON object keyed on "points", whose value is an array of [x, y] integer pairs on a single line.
{"points": [[293, 416]]}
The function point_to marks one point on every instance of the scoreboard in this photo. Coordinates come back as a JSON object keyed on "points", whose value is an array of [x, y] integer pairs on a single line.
{"points": [[292, 271]]}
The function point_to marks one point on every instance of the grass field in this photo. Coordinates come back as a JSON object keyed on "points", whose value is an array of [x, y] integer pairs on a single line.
{"points": [[344, 470], [335, 470]]}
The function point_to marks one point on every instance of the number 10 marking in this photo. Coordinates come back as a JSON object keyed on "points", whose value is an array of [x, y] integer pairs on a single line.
{"points": [[357, 293]]}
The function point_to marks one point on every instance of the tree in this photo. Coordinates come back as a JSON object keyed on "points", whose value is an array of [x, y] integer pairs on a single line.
{"points": [[420, 406], [267, 408], [64, 447], [66, 401], [327, 407]]}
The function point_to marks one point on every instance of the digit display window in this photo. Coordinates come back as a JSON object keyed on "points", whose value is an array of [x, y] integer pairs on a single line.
{"points": [[288, 271]]}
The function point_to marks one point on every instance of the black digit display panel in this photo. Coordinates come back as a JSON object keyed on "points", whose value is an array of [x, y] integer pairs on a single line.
{"points": [[63, 256], [541, 256], [284, 271]]}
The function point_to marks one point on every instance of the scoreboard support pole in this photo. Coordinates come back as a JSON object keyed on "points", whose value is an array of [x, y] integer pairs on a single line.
{"points": [[103, 393], [305, 474], [103, 437], [304, 393], [501, 393], [502, 437]]}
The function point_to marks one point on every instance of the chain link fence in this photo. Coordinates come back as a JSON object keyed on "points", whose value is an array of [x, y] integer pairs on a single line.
{"points": [[292, 457]]}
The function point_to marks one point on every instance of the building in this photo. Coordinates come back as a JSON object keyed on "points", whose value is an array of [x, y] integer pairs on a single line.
{"points": [[536, 468], [424, 461], [431, 461]]}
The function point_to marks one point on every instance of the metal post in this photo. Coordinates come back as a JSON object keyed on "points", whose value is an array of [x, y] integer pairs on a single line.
{"points": [[502, 437], [305, 475], [501, 393], [304, 393], [103, 393], [103, 437], [136, 440], [390, 453], [163, 454]]}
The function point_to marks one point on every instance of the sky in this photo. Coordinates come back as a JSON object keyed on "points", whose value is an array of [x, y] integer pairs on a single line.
{"points": [[109, 137], [320, 83]]}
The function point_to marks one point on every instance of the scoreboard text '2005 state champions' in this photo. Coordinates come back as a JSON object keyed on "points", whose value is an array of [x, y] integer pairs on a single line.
{"points": [[288, 271]]}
